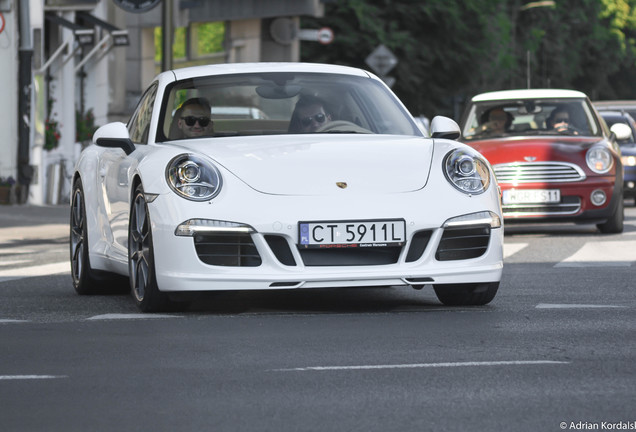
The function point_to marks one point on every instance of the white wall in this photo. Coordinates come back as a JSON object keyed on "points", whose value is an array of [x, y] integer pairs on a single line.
{"points": [[9, 43]]}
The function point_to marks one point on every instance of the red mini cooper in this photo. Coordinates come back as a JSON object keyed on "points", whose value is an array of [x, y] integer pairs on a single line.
{"points": [[554, 157]]}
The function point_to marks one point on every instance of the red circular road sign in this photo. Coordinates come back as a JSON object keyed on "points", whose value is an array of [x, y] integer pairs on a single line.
{"points": [[325, 35]]}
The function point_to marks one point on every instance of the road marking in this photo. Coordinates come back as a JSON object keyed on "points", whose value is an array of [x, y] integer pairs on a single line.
{"points": [[574, 306], [13, 262], [425, 365], [115, 316], [30, 377], [5, 321], [17, 251], [602, 254], [512, 248], [41, 270]]}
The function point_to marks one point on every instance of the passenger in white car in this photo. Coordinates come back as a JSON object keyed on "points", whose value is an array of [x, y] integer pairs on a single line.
{"points": [[309, 115]]}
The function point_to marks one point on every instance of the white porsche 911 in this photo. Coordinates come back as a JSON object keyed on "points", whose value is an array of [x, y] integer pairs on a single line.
{"points": [[334, 185]]}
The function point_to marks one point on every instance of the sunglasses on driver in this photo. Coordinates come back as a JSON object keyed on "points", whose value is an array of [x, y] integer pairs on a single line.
{"points": [[191, 120]]}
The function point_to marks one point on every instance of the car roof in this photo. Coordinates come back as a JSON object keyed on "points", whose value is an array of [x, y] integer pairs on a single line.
{"points": [[615, 104], [528, 94], [238, 68], [614, 113]]}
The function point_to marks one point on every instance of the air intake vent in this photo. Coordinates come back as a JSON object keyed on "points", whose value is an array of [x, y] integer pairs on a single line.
{"points": [[281, 249], [463, 243], [418, 245], [233, 250], [350, 256]]}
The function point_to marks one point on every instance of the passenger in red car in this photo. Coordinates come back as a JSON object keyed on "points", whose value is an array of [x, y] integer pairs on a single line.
{"points": [[495, 121]]}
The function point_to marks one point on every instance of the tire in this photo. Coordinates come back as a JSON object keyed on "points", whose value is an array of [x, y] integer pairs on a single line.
{"points": [[141, 263], [477, 294], [614, 224], [86, 280]]}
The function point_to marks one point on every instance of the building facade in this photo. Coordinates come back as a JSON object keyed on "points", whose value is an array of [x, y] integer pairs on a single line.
{"points": [[71, 65]]}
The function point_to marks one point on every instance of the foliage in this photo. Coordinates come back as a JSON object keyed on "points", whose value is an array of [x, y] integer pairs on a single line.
{"points": [[7, 181], [449, 50], [84, 125], [209, 39], [51, 129]]}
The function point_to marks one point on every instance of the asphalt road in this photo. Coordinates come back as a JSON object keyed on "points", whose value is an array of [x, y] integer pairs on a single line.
{"points": [[554, 351]]}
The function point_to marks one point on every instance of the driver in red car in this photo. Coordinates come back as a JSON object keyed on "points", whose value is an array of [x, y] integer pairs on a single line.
{"points": [[559, 121]]}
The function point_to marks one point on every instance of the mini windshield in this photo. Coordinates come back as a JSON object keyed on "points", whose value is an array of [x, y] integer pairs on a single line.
{"points": [[280, 103], [529, 117]]}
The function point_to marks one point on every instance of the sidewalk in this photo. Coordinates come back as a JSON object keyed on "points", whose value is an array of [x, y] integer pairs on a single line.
{"points": [[25, 222]]}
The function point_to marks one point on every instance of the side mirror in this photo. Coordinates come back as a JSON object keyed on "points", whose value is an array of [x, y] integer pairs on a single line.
{"points": [[621, 131], [444, 127], [114, 135]]}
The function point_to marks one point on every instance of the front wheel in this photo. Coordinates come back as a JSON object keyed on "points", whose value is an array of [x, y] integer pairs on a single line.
{"points": [[476, 294], [141, 263], [614, 224]]}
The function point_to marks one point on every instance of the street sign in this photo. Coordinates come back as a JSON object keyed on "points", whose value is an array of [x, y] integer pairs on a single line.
{"points": [[137, 6], [324, 35], [389, 81], [381, 60]]}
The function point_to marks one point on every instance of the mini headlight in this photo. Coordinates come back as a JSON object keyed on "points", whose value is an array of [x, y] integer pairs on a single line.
{"points": [[193, 177], [467, 171], [629, 160], [599, 159]]}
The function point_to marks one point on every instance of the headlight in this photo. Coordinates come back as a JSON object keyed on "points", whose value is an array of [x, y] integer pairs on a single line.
{"points": [[599, 159], [193, 177], [466, 171], [629, 160]]}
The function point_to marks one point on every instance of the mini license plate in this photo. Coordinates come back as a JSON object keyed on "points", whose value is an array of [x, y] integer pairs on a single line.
{"points": [[531, 196], [331, 234]]}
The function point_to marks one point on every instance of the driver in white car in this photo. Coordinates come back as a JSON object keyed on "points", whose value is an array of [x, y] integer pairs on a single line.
{"points": [[195, 120]]}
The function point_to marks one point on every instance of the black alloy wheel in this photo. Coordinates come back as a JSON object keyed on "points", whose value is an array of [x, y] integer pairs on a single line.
{"points": [[141, 265]]}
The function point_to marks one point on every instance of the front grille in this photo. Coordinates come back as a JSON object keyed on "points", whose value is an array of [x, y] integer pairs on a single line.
{"points": [[233, 250], [463, 243], [568, 205], [350, 256], [538, 172]]}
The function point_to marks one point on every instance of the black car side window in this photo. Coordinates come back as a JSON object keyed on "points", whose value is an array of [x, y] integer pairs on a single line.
{"points": [[139, 123]]}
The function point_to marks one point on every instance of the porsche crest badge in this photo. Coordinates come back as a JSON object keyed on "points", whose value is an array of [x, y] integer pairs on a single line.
{"points": [[341, 185]]}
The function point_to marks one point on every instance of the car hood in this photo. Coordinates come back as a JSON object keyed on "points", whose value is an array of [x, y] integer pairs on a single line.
{"points": [[506, 150], [315, 164]]}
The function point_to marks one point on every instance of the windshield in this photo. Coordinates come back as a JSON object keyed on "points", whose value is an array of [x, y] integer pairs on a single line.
{"points": [[530, 117], [280, 103]]}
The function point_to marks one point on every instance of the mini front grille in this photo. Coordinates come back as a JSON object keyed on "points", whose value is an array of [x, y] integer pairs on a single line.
{"points": [[568, 205], [233, 250], [463, 243], [541, 172]]}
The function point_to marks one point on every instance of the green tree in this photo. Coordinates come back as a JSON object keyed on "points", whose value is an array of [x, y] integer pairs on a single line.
{"points": [[449, 50]]}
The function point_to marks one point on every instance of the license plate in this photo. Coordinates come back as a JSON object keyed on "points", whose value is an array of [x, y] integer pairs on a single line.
{"points": [[332, 234], [531, 196]]}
